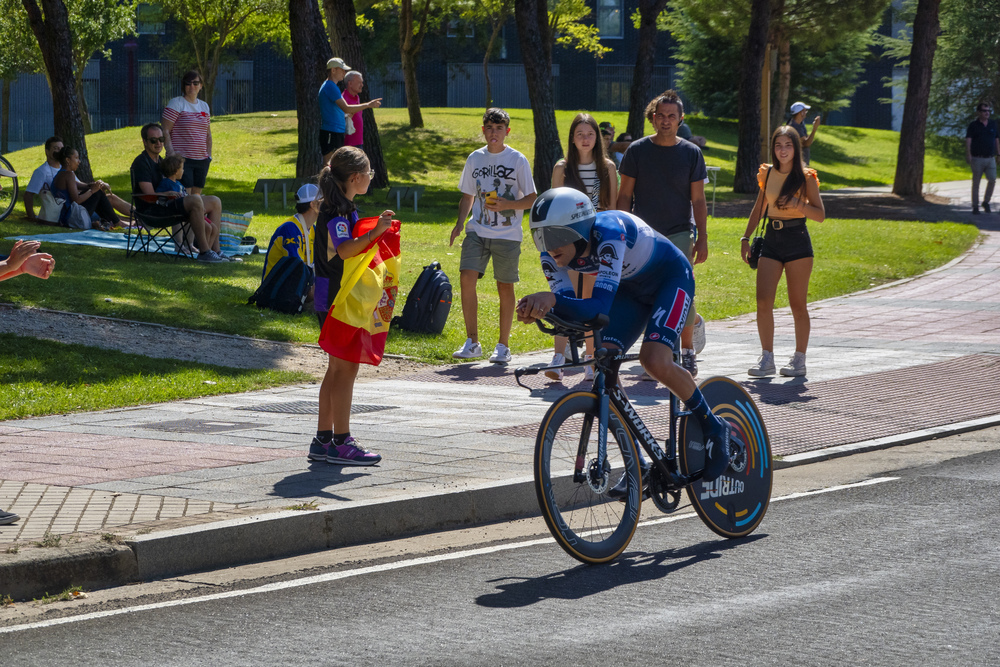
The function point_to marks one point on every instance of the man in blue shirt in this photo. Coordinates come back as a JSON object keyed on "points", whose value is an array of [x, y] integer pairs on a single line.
{"points": [[332, 108]]}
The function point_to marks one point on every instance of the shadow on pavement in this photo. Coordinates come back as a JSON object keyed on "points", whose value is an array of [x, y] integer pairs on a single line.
{"points": [[585, 580], [313, 483]]}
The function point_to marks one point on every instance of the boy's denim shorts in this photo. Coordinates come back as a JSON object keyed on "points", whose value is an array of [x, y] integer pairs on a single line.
{"points": [[476, 254]]}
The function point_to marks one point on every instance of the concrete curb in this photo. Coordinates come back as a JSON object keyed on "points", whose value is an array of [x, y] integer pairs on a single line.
{"points": [[290, 532]]}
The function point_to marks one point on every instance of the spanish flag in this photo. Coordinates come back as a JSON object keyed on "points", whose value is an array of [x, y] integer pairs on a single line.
{"points": [[358, 321]]}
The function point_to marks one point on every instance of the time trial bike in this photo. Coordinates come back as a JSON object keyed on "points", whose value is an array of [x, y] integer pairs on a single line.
{"points": [[589, 440]]}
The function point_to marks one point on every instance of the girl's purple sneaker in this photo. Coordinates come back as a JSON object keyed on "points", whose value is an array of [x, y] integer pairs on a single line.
{"points": [[351, 454]]}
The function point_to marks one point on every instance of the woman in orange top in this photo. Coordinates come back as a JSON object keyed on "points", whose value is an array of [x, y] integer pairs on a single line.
{"points": [[790, 192]]}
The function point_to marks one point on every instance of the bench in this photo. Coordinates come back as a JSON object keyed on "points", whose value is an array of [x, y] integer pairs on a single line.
{"points": [[402, 192], [274, 184]]}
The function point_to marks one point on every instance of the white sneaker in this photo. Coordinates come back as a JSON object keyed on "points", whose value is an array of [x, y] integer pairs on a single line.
{"points": [[796, 366], [555, 374], [764, 366], [469, 350], [501, 355], [689, 360], [588, 371], [698, 336]]}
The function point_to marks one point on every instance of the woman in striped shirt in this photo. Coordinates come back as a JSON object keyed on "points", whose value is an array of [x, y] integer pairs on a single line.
{"points": [[187, 132], [585, 168]]}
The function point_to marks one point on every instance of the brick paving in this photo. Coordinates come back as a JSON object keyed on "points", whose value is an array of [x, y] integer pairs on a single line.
{"points": [[920, 353]]}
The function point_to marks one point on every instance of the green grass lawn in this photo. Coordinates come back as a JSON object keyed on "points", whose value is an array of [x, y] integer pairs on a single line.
{"points": [[851, 255], [43, 377]]}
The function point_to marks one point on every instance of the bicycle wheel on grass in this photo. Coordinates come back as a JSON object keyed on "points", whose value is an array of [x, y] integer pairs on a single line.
{"points": [[8, 188], [734, 504], [589, 525]]}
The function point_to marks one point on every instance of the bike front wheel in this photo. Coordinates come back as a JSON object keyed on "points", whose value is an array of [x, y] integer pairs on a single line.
{"points": [[8, 188], [734, 504], [573, 488]]}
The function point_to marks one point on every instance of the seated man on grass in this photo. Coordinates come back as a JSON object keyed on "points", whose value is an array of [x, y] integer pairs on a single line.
{"points": [[294, 237], [146, 176]]}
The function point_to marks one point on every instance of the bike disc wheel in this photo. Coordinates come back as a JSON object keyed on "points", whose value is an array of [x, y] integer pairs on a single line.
{"points": [[588, 524], [8, 189], [734, 504]]}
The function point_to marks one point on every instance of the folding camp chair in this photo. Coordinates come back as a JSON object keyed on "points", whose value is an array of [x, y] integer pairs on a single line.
{"points": [[151, 228]]}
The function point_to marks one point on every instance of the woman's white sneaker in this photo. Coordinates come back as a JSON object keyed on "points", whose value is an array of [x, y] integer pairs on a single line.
{"points": [[588, 371], [469, 350], [796, 366], [764, 366], [555, 374]]}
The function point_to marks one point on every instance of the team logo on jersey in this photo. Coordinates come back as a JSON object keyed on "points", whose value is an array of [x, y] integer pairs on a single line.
{"points": [[607, 254], [654, 336], [342, 230], [549, 269]]}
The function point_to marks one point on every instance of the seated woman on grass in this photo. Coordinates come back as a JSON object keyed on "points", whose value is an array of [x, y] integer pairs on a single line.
{"points": [[94, 197]]}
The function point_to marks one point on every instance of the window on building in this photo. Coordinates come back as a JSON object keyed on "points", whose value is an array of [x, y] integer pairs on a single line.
{"points": [[456, 28], [610, 18]]}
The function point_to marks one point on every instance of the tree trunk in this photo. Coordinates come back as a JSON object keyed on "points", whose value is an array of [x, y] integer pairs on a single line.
{"points": [[55, 41], [533, 35], [780, 107], [909, 181], [310, 51], [497, 27], [409, 50], [346, 43], [642, 78], [748, 107], [82, 99]]}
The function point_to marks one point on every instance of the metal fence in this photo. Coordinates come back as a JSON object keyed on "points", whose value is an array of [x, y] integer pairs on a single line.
{"points": [[467, 85], [614, 85]]}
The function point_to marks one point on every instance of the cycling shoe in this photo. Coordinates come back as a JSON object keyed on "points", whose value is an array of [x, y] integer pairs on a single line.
{"points": [[618, 491], [717, 452]]}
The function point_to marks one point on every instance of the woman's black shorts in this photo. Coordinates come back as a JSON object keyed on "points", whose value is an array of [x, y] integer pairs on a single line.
{"points": [[787, 245], [195, 173]]}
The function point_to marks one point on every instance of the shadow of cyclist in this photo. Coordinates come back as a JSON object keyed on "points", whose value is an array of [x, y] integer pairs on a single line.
{"points": [[579, 582]]}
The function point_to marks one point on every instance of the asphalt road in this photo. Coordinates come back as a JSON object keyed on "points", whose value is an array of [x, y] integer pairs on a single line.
{"points": [[900, 570]]}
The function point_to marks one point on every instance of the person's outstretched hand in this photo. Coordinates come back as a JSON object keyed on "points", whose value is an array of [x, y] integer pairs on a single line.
{"points": [[39, 265], [21, 251]]}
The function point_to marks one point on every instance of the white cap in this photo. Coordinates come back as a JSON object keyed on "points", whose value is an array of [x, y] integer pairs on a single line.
{"points": [[799, 106], [337, 62], [306, 194]]}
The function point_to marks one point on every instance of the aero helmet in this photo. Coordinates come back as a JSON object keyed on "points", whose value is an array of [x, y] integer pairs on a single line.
{"points": [[562, 216]]}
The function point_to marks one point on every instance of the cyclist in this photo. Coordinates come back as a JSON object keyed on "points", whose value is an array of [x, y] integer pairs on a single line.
{"points": [[643, 283]]}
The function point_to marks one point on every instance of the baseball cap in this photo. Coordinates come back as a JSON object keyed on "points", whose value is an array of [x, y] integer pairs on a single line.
{"points": [[306, 194], [337, 62], [799, 106], [607, 128]]}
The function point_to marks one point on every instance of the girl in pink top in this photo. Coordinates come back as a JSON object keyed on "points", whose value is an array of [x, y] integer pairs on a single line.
{"points": [[188, 133]]}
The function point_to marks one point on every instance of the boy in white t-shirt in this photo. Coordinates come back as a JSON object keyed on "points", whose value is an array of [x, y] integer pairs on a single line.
{"points": [[496, 187]]}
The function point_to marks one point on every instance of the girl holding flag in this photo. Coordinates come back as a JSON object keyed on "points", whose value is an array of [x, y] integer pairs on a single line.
{"points": [[357, 272]]}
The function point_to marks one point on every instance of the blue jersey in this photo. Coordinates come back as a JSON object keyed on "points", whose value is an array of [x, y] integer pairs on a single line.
{"points": [[624, 252]]}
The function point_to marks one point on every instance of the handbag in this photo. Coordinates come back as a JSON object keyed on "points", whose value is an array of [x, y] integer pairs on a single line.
{"points": [[757, 243], [51, 207]]}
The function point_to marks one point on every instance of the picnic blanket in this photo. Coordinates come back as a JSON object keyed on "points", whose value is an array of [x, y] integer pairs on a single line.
{"points": [[114, 241]]}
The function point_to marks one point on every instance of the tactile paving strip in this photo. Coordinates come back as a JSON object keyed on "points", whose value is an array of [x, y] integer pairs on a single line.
{"points": [[809, 416]]}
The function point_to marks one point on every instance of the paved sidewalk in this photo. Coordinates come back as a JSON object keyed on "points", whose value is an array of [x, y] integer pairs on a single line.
{"points": [[893, 364]]}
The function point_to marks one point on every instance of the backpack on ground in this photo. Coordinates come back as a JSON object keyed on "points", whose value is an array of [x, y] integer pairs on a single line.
{"points": [[428, 303], [285, 288]]}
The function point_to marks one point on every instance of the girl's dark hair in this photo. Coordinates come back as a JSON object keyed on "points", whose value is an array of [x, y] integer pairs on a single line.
{"points": [[796, 179], [63, 153], [346, 161], [573, 179], [189, 76]]}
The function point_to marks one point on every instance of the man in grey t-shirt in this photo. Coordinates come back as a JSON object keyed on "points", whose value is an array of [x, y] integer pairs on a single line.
{"points": [[663, 182]]}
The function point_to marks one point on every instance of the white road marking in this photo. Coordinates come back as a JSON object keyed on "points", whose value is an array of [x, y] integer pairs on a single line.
{"points": [[374, 569]]}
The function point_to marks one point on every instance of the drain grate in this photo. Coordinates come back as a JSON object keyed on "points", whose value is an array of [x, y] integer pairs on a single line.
{"points": [[310, 408]]}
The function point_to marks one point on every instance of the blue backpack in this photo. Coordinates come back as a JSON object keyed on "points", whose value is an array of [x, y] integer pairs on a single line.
{"points": [[285, 288]]}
